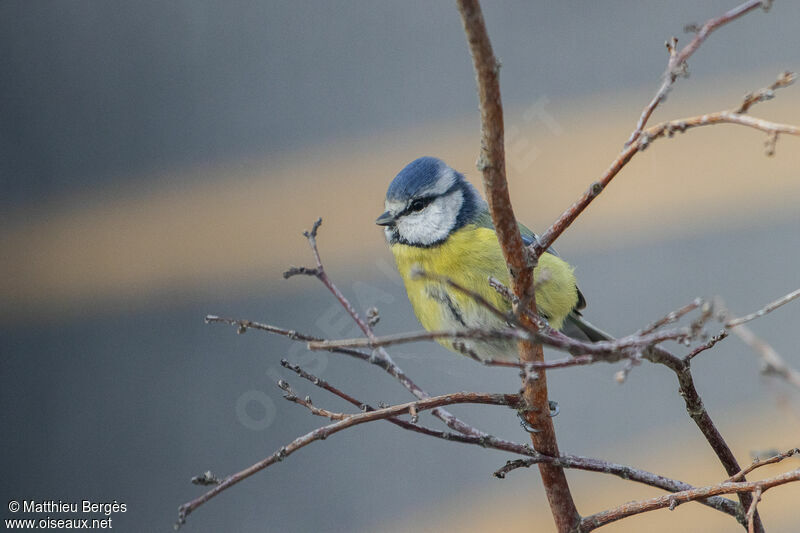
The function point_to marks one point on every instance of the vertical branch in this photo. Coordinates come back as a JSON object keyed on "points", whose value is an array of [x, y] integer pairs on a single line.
{"points": [[492, 164]]}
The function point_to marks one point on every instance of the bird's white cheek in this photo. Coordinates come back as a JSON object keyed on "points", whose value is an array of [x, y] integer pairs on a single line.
{"points": [[420, 228], [434, 223]]}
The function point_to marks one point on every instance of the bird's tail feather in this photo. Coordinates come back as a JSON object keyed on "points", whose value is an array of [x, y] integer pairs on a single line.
{"points": [[578, 328]]}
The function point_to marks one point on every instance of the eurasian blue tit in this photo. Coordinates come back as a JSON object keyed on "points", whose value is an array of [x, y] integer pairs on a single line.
{"points": [[436, 221]]}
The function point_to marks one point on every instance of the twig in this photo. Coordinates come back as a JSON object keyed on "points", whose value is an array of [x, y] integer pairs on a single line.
{"points": [[321, 383], [758, 463], [306, 402], [206, 479], [606, 351], [785, 79], [783, 300], [676, 66], [243, 325], [416, 336], [708, 345], [670, 127], [751, 512], [491, 163], [625, 472], [580, 360], [622, 375], [642, 141], [672, 500], [673, 316], [772, 363]]}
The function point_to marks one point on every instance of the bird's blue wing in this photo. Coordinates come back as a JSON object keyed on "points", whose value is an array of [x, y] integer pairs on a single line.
{"points": [[484, 220], [529, 237]]}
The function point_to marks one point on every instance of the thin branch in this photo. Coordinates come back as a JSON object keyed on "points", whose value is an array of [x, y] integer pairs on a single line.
{"points": [[632, 474], [243, 325], [673, 316], [707, 346], [324, 385], [642, 141], [673, 500], [290, 395], [206, 479], [785, 79], [758, 463], [580, 360], [676, 66], [416, 336], [772, 363], [751, 512], [670, 127], [783, 300], [606, 351]]}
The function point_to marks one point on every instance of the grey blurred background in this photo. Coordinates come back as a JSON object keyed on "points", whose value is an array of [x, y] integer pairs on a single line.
{"points": [[158, 162]]}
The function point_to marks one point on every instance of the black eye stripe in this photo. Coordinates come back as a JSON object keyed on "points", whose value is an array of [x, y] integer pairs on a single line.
{"points": [[418, 204]]}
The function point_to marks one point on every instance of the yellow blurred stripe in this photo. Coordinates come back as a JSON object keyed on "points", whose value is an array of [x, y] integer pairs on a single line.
{"points": [[240, 224]]}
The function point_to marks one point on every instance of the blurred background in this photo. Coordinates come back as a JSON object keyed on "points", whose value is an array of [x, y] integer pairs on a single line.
{"points": [[159, 161]]}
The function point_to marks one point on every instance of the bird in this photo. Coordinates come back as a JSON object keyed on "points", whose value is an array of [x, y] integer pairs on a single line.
{"points": [[436, 222]]}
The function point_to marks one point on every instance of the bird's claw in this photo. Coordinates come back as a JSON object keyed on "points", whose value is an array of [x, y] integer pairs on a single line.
{"points": [[523, 421]]}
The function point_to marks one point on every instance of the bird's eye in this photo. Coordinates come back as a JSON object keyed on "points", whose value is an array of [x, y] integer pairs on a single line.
{"points": [[416, 205]]}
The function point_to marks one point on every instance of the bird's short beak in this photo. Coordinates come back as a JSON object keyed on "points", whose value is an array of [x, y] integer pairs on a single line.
{"points": [[386, 219]]}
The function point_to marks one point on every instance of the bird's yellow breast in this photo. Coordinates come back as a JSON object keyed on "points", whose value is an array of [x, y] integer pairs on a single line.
{"points": [[468, 257]]}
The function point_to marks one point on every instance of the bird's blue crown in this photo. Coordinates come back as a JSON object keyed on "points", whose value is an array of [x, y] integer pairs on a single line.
{"points": [[418, 176]]}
